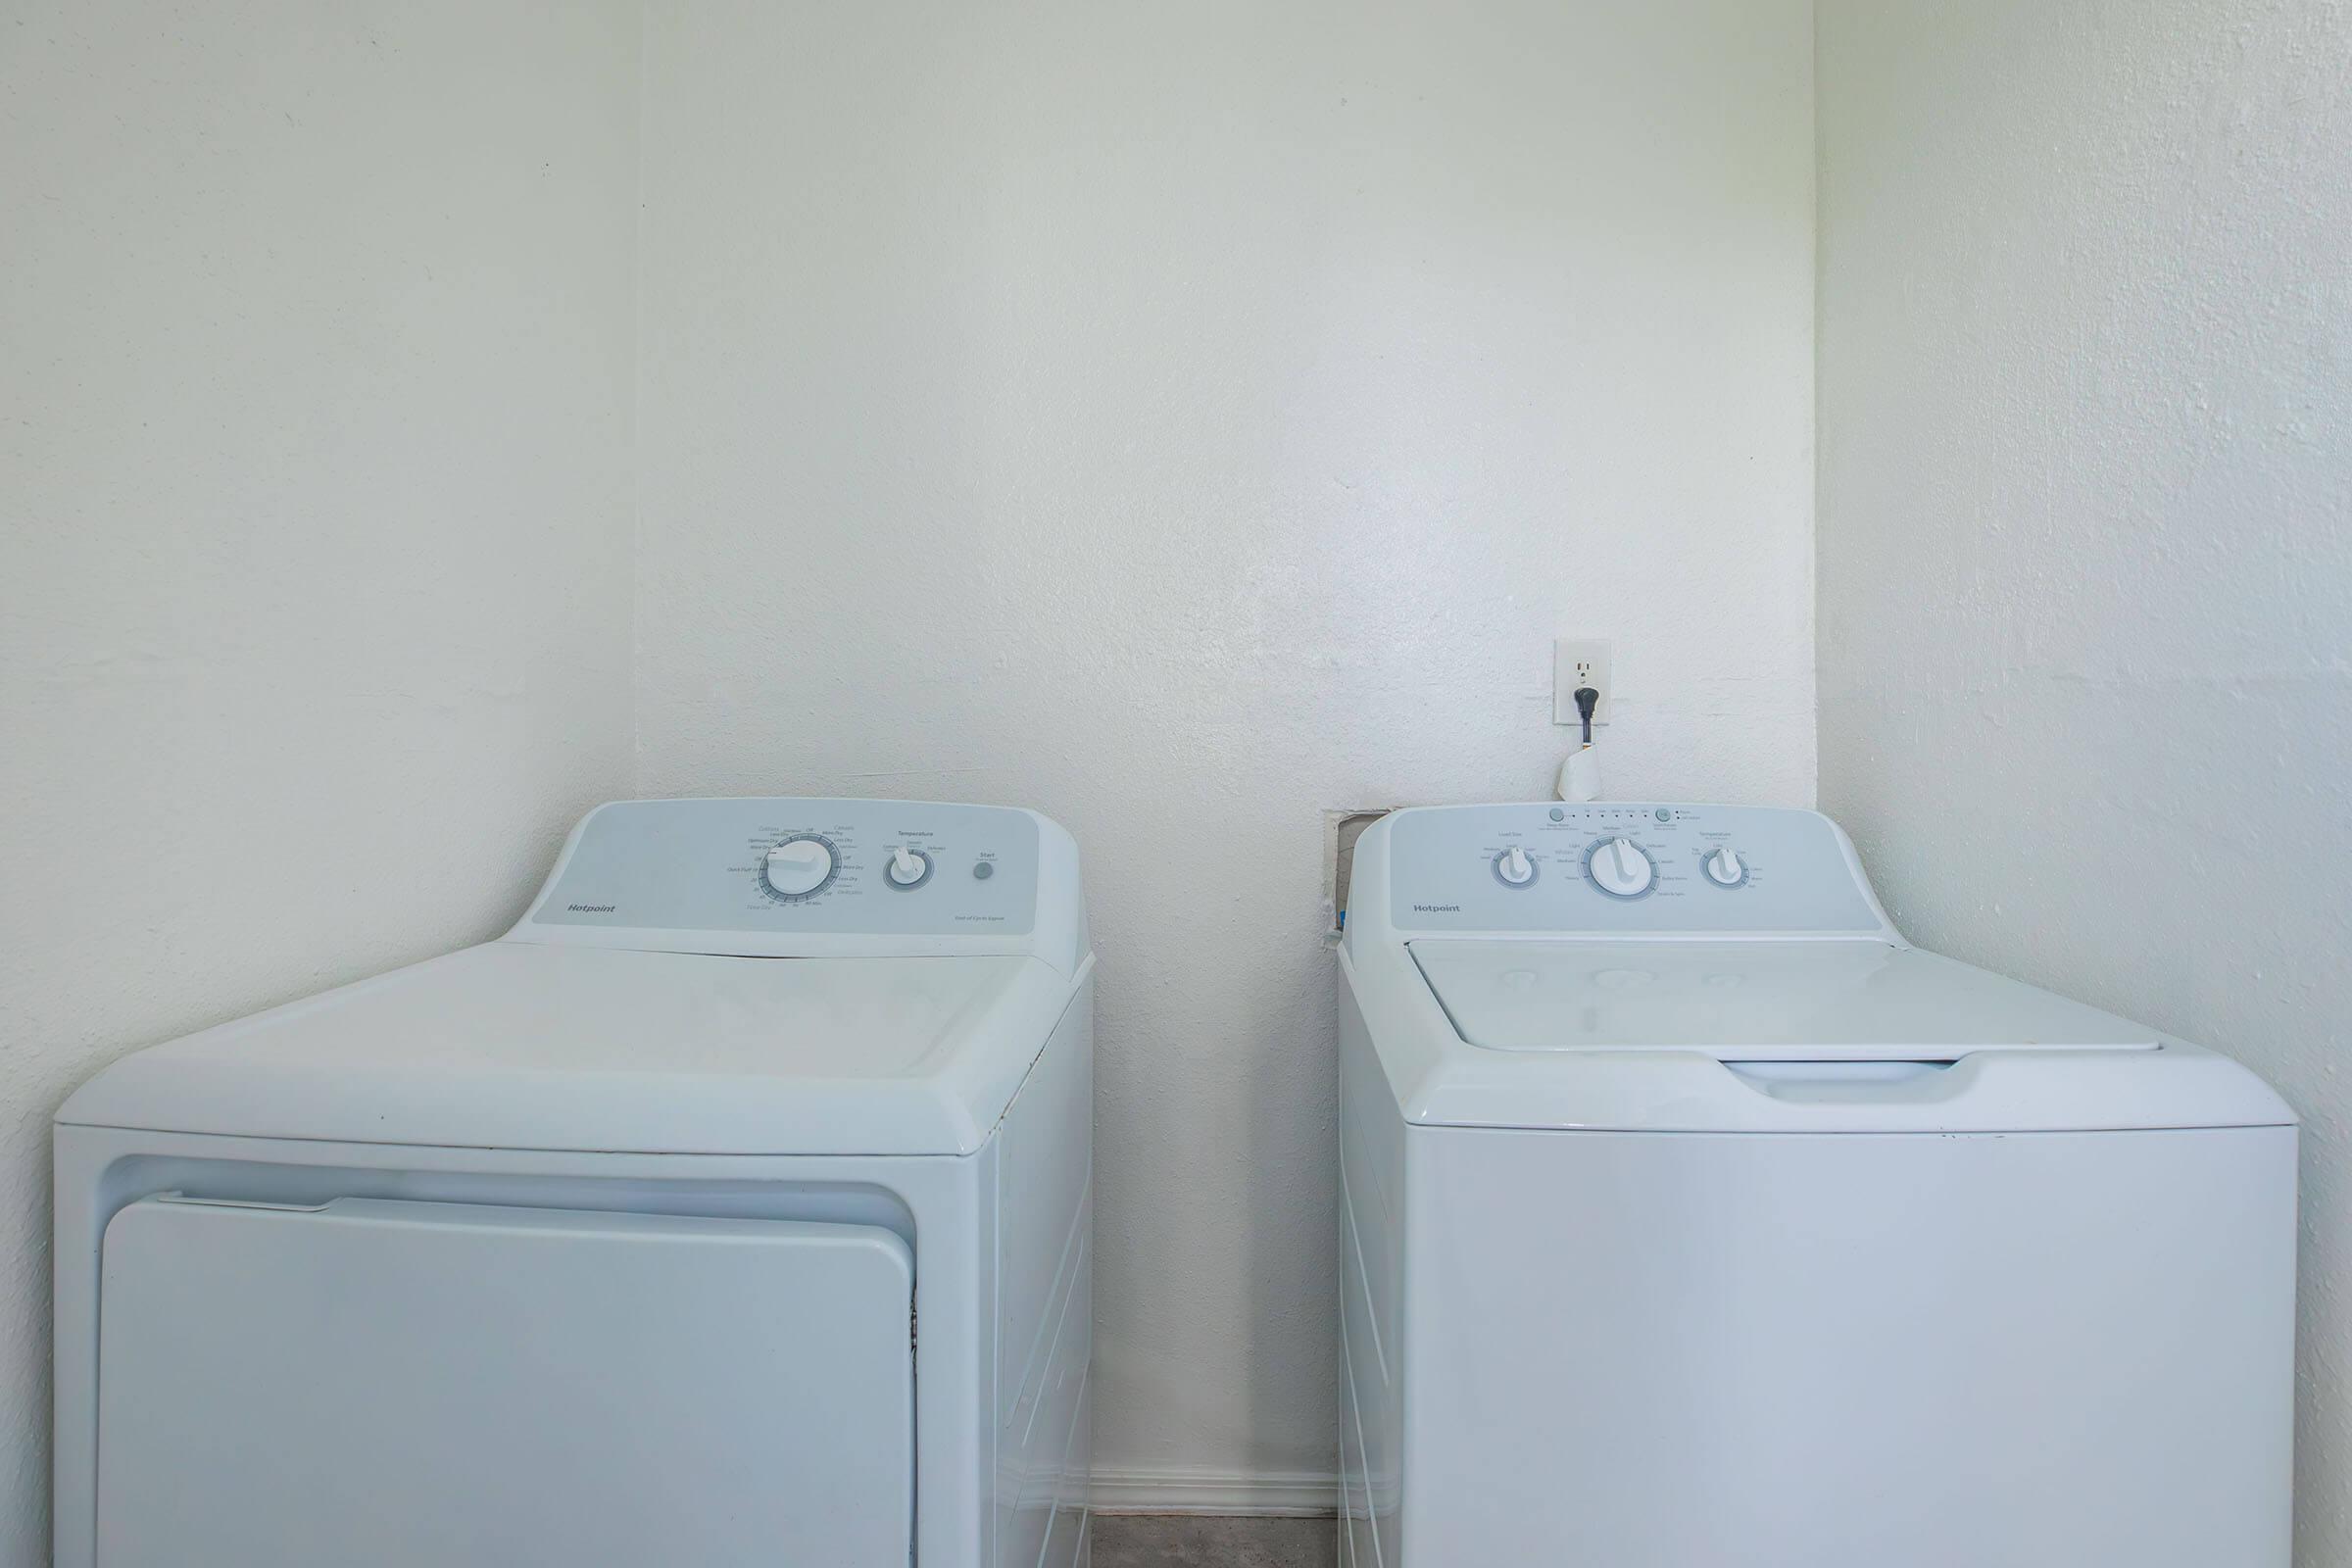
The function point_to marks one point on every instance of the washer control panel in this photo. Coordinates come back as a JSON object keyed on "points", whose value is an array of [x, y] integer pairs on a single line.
{"points": [[865, 868], [1623, 869]]}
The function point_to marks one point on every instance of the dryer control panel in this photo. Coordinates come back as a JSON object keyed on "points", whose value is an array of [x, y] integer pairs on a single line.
{"points": [[778, 876], [794, 864], [1613, 869]]}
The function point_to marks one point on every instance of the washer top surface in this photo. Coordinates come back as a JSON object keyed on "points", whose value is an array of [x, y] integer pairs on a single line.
{"points": [[865, 1019], [1649, 967], [1752, 1002]]}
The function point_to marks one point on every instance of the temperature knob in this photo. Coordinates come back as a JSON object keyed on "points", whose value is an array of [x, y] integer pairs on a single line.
{"points": [[1724, 869], [1514, 867], [1621, 870], [908, 867], [797, 867]]}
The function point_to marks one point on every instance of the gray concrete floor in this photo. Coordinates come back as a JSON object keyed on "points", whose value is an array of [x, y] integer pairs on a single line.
{"points": [[1192, 1540]]}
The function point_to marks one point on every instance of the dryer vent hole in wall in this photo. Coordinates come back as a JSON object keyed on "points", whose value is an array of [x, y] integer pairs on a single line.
{"points": [[1341, 827]]}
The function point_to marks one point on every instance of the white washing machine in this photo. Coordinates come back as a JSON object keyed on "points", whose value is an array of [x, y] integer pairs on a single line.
{"points": [[733, 1208], [1693, 1220]]}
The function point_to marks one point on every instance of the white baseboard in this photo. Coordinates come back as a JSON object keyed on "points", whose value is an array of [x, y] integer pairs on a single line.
{"points": [[1304, 1493]]}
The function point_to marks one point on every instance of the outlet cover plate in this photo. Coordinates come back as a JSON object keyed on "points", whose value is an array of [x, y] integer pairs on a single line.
{"points": [[1582, 661]]}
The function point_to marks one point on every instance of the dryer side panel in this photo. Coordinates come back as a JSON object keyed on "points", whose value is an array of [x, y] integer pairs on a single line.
{"points": [[1045, 1328], [378, 1383]]}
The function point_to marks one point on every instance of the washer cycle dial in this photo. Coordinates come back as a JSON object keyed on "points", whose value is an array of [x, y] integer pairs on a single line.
{"points": [[1620, 868], [799, 866]]}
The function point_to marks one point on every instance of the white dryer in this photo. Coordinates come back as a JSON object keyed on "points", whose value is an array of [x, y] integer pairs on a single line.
{"points": [[1693, 1220], [733, 1208]]}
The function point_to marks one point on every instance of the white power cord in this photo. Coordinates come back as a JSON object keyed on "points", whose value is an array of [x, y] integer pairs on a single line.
{"points": [[1579, 775]]}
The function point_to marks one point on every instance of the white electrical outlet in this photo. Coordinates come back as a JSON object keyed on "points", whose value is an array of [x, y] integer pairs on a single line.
{"points": [[1580, 662]]}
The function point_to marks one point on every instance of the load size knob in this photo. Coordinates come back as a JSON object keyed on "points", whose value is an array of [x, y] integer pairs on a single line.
{"points": [[1620, 868]]}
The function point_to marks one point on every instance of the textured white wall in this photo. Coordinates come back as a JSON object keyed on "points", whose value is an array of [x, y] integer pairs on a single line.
{"points": [[2085, 534], [1184, 418], [315, 349]]}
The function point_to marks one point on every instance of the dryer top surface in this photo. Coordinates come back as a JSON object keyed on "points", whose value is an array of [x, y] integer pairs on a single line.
{"points": [[515, 1045]]}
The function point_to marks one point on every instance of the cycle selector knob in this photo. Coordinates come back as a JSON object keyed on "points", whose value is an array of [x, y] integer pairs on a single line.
{"points": [[1620, 868], [1724, 869], [797, 867], [908, 867], [1514, 867]]}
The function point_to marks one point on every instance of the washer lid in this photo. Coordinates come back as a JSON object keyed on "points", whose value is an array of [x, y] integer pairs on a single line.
{"points": [[515, 1045], [1845, 1001]]}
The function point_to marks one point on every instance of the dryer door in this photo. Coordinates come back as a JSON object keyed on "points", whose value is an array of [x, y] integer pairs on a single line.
{"points": [[383, 1385]]}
